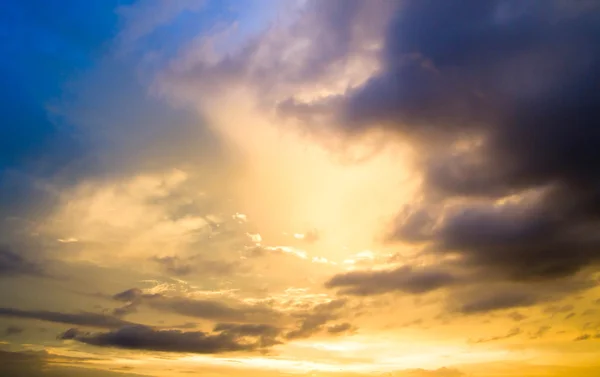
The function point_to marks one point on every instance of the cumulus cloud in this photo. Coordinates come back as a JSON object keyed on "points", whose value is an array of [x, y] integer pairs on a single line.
{"points": [[340, 328]]}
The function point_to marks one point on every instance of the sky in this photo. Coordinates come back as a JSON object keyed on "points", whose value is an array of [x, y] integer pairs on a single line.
{"points": [[327, 188]]}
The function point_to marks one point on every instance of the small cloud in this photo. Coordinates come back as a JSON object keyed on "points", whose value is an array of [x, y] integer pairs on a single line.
{"points": [[582, 337], [313, 320], [77, 319], [226, 339], [255, 237], [68, 240], [340, 328], [540, 332], [13, 330]]}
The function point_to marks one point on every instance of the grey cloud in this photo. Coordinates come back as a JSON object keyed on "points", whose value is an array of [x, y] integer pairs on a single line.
{"points": [[540, 332], [267, 335], [13, 330], [515, 241], [77, 319], [12, 264], [407, 279], [199, 308], [520, 79], [512, 333], [247, 329], [554, 309], [44, 364], [146, 338], [489, 301], [340, 328], [583, 337], [442, 372], [125, 310], [516, 81]]}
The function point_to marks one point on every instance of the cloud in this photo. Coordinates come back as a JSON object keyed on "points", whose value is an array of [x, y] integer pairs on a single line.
{"points": [[236, 318], [178, 266], [312, 321], [512, 333], [340, 328], [78, 319], [13, 330], [266, 334], [143, 18], [407, 279], [12, 264], [262, 62], [199, 308], [516, 99], [504, 134], [442, 372], [582, 337], [541, 331], [44, 364], [494, 300], [145, 338]]}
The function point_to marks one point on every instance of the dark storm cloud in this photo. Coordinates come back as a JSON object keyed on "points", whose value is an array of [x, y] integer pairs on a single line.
{"points": [[415, 280], [12, 264], [500, 98], [522, 78], [146, 338], [77, 319]]}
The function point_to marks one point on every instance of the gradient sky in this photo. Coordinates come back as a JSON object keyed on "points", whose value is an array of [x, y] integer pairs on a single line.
{"points": [[300, 187]]}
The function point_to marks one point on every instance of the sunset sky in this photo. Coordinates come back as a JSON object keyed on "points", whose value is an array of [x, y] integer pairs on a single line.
{"points": [[327, 188]]}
